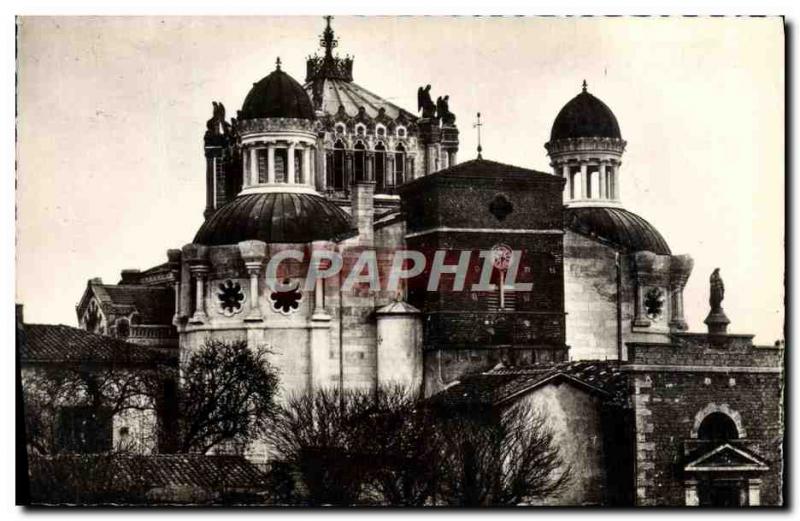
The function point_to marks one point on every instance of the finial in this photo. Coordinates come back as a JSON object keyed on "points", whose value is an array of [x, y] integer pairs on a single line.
{"points": [[585, 85], [478, 125], [278, 63], [328, 42]]}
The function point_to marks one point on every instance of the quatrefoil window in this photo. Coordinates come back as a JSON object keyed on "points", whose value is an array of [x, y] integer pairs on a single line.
{"points": [[231, 298], [654, 302], [287, 302], [501, 207]]}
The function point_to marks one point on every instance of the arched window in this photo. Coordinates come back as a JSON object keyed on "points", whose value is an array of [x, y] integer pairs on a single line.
{"points": [[381, 181], [401, 132], [123, 328], [400, 164], [336, 179], [359, 162], [717, 426]]}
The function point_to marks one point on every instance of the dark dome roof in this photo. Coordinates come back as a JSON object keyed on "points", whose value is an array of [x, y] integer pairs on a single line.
{"points": [[585, 116], [277, 96], [624, 230], [276, 218]]}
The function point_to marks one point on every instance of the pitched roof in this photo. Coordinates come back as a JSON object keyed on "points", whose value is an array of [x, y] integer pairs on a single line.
{"points": [[501, 385], [493, 169], [48, 343], [155, 304], [213, 474]]}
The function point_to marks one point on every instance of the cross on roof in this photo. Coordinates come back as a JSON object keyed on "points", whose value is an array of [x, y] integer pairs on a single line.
{"points": [[478, 125]]}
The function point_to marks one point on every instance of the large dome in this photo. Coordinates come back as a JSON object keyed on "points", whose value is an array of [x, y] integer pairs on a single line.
{"points": [[276, 218], [620, 228], [277, 96], [585, 116]]}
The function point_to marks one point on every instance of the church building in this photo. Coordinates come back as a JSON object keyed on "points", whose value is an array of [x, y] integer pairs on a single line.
{"points": [[649, 413]]}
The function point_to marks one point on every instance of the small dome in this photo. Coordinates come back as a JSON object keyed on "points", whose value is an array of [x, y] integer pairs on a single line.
{"points": [[277, 96], [276, 218], [620, 228], [585, 116]]}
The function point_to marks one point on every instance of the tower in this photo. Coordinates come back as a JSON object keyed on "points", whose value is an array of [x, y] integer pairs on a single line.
{"points": [[223, 172], [585, 148]]}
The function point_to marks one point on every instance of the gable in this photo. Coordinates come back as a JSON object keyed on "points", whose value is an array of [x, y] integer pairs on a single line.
{"points": [[726, 457]]}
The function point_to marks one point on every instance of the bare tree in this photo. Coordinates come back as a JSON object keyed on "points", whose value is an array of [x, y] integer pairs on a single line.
{"points": [[226, 396], [315, 437], [491, 458], [361, 447]]}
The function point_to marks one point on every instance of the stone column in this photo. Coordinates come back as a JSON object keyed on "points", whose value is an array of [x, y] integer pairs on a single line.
{"points": [[369, 159], [319, 345], [290, 163], [327, 178], [565, 175], [584, 182], [307, 175], [199, 271], [245, 171], [271, 163], [754, 492], [253, 254], [680, 269], [603, 189], [348, 168], [390, 177], [690, 490], [174, 260], [253, 166]]}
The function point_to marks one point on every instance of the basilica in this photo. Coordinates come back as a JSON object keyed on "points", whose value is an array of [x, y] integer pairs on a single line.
{"points": [[650, 413]]}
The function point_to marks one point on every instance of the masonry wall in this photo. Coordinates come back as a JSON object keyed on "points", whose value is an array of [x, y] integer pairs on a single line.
{"points": [[674, 386], [590, 298], [575, 419]]}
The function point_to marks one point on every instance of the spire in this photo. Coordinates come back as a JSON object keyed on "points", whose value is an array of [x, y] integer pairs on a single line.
{"points": [[326, 66], [584, 85], [278, 64], [328, 41]]}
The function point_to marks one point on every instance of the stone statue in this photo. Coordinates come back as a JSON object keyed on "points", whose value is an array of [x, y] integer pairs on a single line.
{"points": [[717, 291], [425, 103], [217, 126], [443, 110]]}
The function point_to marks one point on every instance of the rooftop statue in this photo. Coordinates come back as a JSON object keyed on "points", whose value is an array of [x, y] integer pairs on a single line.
{"points": [[717, 291], [425, 103], [443, 110], [217, 126]]}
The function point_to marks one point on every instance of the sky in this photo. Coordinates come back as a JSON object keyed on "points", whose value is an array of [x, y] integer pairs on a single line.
{"points": [[112, 111]]}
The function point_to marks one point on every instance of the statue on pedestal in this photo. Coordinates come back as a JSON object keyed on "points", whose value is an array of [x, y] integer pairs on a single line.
{"points": [[443, 110], [716, 320], [425, 103]]}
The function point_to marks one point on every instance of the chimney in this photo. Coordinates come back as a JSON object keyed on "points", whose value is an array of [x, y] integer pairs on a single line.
{"points": [[362, 211], [130, 276]]}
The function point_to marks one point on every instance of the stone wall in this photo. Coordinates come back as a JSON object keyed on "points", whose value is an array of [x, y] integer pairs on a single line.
{"points": [[674, 386], [575, 419]]}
